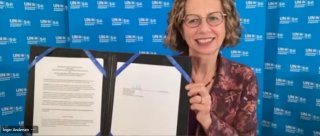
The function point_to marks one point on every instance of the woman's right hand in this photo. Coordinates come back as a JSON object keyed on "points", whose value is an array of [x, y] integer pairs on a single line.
{"points": [[200, 100]]}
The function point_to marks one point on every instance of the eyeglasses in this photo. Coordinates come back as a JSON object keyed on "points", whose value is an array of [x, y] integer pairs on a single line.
{"points": [[213, 19]]}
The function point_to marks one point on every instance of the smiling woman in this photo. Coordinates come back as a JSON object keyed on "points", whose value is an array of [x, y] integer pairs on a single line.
{"points": [[226, 104]]}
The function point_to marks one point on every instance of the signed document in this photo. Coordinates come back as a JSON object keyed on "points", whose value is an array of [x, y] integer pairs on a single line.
{"points": [[67, 96], [146, 100]]}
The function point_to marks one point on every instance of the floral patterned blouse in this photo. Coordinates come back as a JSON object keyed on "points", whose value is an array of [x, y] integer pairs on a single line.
{"points": [[234, 100]]}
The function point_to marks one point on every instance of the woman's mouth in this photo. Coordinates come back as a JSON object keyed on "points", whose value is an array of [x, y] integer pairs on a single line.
{"points": [[205, 40]]}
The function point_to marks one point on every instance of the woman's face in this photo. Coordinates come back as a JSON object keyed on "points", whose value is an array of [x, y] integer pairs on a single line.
{"points": [[204, 39]]}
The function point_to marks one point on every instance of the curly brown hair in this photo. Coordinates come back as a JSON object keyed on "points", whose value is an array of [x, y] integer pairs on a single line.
{"points": [[174, 32]]}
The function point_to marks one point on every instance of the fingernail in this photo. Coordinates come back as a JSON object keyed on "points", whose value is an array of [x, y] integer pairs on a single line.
{"points": [[187, 87]]}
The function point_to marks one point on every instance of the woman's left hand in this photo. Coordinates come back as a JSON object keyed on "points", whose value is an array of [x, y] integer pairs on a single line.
{"points": [[200, 101]]}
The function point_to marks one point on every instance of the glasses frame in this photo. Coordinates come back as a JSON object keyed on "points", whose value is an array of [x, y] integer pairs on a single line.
{"points": [[223, 15]]}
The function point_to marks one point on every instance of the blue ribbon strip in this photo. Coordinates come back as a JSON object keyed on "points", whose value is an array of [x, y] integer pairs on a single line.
{"points": [[99, 134], [95, 62], [38, 58], [126, 64], [179, 68]]}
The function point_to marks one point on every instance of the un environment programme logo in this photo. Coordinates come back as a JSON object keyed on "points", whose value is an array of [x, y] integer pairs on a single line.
{"points": [[59, 7], [285, 20], [301, 36], [61, 39], [269, 124], [21, 91], [286, 51], [49, 23], [8, 40], [78, 4], [132, 4], [309, 117], [107, 38], [158, 38], [318, 102], [9, 110], [272, 66], [250, 4], [80, 38], [105, 4], [296, 99], [19, 57], [245, 21], [294, 130], [16, 22], [256, 70], [284, 82], [311, 52], [36, 40], [92, 21], [270, 95], [157, 4], [120, 21], [239, 53], [33, 6], [298, 68], [148, 52], [133, 38], [6, 5], [310, 85], [147, 21], [274, 35], [253, 37], [2, 94], [276, 5], [313, 19], [281, 112], [303, 3], [9, 76]]}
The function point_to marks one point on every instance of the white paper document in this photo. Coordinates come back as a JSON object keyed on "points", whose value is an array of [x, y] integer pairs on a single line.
{"points": [[67, 96], [146, 100]]}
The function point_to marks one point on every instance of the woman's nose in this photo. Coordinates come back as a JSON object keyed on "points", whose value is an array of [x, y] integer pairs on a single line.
{"points": [[204, 26]]}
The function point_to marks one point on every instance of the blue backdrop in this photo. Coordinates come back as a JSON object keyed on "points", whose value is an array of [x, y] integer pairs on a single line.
{"points": [[280, 42]]}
